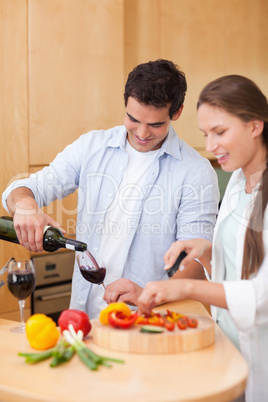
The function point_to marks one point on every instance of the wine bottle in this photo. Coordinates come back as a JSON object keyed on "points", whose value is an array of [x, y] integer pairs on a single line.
{"points": [[171, 271], [53, 238]]}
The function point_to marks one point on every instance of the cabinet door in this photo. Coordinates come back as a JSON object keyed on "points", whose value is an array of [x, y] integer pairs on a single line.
{"points": [[206, 38], [13, 122], [76, 72]]}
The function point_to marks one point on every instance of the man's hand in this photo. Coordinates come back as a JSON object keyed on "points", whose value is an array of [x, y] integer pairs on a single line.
{"points": [[122, 290], [30, 229], [28, 219]]}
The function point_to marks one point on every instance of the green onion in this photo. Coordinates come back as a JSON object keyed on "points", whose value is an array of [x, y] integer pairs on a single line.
{"points": [[63, 352], [87, 356]]}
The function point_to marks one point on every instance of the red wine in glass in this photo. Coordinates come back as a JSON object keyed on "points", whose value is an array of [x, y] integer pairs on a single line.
{"points": [[93, 275], [91, 267], [21, 283]]}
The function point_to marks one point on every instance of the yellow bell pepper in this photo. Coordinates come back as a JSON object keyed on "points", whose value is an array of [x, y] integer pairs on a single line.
{"points": [[41, 332], [117, 306]]}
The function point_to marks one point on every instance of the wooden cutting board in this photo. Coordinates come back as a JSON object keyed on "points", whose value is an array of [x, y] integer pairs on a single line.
{"points": [[134, 341]]}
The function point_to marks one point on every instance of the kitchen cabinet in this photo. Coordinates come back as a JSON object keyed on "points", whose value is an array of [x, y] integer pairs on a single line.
{"points": [[13, 125], [76, 72], [59, 60], [206, 38]]}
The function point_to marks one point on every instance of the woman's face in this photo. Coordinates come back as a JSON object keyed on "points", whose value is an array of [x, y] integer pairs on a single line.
{"points": [[235, 143]]}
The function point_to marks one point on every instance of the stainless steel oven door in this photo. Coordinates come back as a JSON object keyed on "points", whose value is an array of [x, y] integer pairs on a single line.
{"points": [[51, 300]]}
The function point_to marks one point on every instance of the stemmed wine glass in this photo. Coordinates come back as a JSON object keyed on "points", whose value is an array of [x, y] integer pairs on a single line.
{"points": [[21, 283], [92, 267]]}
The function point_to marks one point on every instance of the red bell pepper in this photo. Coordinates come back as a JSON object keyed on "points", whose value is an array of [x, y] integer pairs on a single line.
{"points": [[118, 319], [79, 320]]}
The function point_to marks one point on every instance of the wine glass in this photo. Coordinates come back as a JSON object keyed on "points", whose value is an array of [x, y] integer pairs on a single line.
{"points": [[21, 283], [92, 267]]}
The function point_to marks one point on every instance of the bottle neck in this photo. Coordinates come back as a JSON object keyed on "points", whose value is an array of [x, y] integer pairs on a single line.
{"points": [[54, 234]]}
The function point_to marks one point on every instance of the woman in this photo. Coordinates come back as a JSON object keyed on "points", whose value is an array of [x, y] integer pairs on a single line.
{"points": [[233, 115]]}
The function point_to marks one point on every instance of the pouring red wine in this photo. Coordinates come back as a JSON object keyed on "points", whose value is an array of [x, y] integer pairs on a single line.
{"points": [[92, 267]]}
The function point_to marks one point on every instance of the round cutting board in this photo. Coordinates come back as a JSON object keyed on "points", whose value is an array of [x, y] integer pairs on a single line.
{"points": [[133, 341]]}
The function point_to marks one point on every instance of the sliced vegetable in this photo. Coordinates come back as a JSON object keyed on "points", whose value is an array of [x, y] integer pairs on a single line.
{"points": [[153, 319], [173, 316], [152, 329], [78, 319], [41, 332], [118, 319], [118, 306]]}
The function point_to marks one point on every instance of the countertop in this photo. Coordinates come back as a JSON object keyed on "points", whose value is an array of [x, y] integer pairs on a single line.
{"points": [[216, 373]]}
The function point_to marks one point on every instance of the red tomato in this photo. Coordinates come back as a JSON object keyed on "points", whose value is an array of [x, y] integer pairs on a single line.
{"points": [[169, 325], [182, 323], [192, 322]]}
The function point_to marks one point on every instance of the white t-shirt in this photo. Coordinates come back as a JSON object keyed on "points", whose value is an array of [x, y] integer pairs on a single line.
{"points": [[118, 216], [118, 219]]}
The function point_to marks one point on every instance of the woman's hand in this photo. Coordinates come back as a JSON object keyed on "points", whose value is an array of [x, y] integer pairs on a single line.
{"points": [[156, 293], [195, 248]]}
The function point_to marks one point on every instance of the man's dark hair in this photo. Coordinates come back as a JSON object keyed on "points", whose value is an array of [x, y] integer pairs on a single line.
{"points": [[157, 83]]}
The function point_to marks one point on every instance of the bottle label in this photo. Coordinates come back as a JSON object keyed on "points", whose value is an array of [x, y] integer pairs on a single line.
{"points": [[70, 246]]}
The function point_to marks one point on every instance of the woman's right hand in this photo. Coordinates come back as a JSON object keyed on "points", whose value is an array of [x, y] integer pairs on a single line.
{"points": [[195, 248]]}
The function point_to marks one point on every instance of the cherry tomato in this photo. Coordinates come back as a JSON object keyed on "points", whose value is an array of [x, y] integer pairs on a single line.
{"points": [[169, 325], [192, 322], [182, 323]]}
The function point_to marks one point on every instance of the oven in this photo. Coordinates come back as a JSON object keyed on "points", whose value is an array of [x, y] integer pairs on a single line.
{"points": [[53, 283]]}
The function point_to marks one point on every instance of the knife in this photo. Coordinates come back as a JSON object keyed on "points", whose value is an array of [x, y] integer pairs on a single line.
{"points": [[171, 271]]}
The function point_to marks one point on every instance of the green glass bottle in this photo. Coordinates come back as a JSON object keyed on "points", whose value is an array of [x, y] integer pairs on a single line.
{"points": [[53, 238]]}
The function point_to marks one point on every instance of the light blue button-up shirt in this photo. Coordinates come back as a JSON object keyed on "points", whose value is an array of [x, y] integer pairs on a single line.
{"points": [[178, 200]]}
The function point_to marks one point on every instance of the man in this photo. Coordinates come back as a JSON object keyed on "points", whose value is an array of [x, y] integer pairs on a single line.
{"points": [[140, 188]]}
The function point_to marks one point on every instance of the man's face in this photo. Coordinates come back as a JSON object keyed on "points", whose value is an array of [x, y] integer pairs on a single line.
{"points": [[147, 126]]}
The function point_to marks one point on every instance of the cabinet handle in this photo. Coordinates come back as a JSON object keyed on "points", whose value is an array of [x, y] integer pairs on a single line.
{"points": [[53, 297]]}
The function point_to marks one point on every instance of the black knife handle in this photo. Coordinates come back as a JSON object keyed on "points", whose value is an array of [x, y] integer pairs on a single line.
{"points": [[171, 271]]}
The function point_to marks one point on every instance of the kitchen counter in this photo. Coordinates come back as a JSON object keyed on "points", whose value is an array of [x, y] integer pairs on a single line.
{"points": [[216, 373]]}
